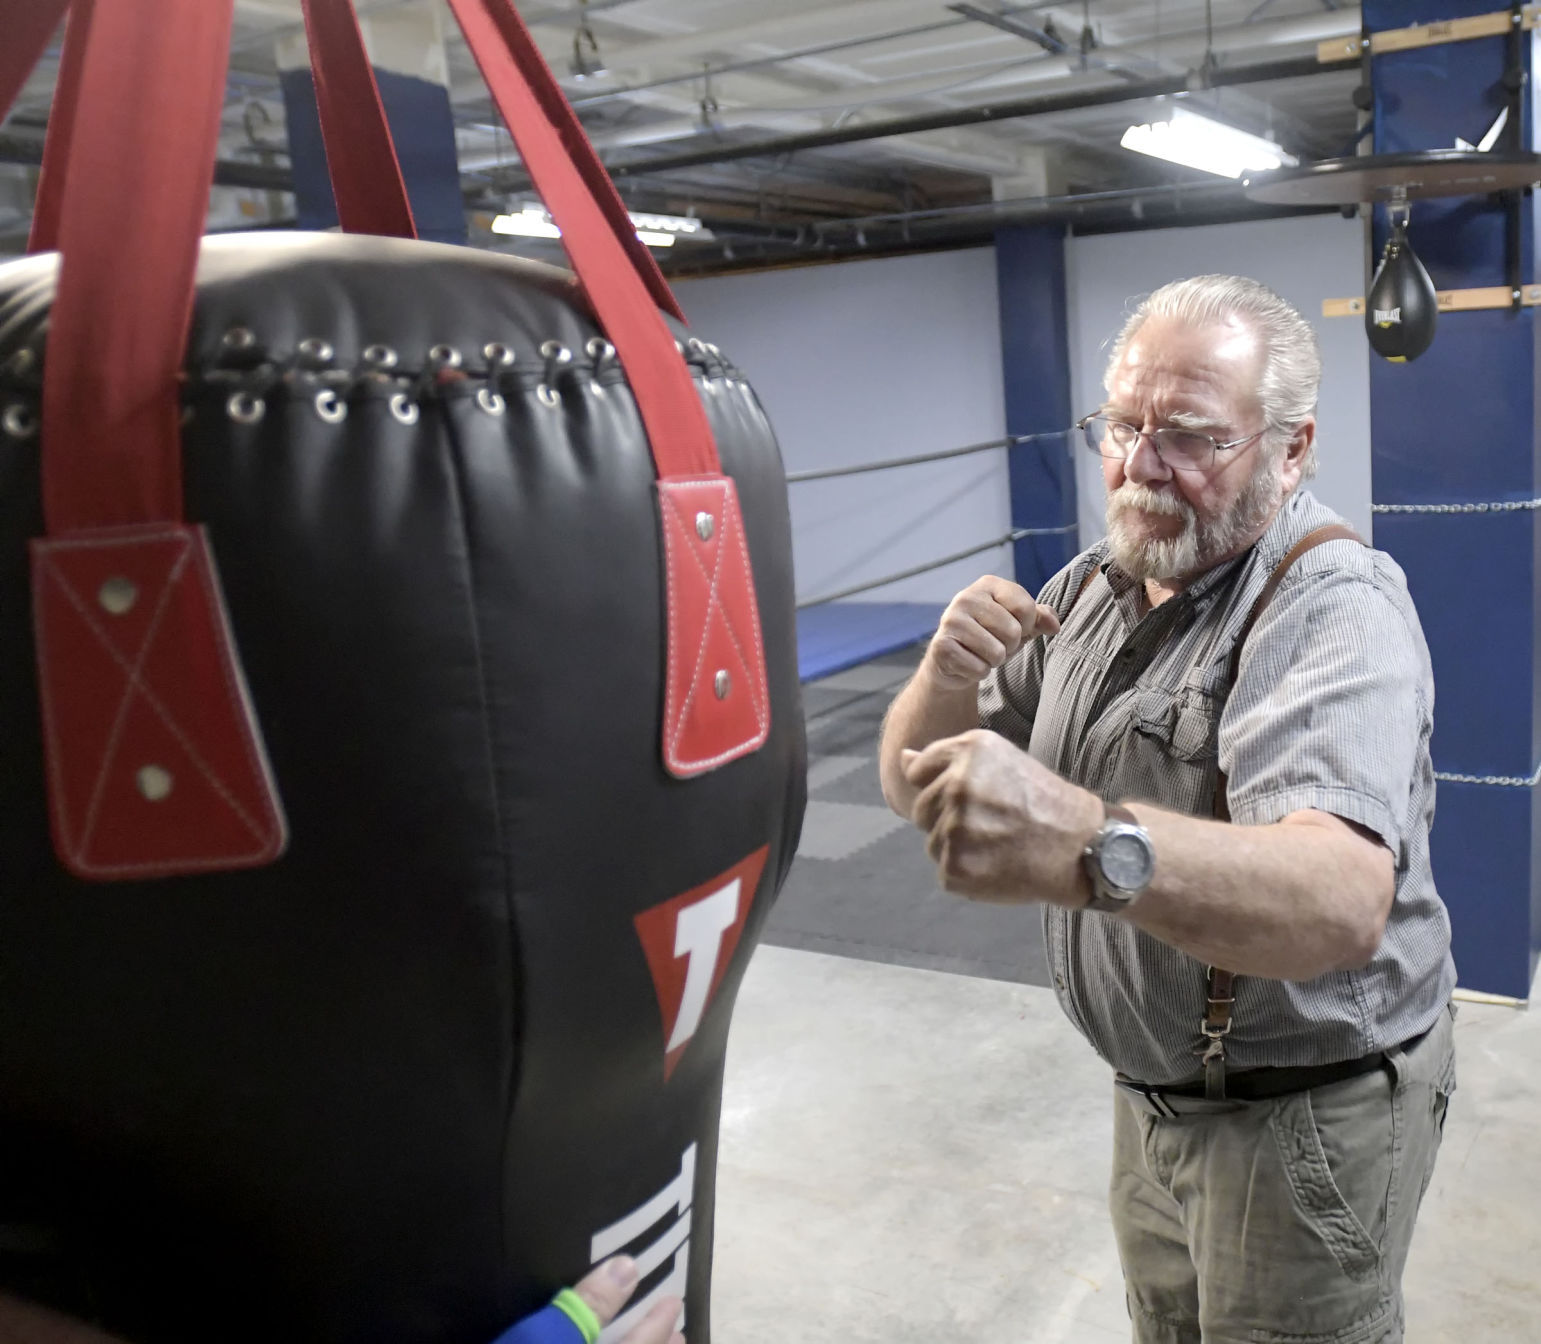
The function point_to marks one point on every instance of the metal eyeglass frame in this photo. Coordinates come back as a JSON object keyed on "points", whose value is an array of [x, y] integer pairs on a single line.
{"points": [[1154, 435]]}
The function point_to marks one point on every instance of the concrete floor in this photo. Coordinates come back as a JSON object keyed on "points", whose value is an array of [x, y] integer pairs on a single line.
{"points": [[913, 1157]]}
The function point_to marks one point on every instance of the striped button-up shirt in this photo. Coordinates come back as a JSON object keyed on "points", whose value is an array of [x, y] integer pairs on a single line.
{"points": [[1332, 710]]}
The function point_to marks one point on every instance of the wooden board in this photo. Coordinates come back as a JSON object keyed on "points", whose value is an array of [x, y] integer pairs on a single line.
{"points": [[1450, 301], [1427, 35]]}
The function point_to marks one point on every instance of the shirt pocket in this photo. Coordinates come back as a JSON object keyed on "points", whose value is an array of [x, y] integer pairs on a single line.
{"points": [[1170, 754]]}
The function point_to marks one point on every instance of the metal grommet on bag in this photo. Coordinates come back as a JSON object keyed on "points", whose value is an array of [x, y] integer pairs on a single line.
{"points": [[316, 350], [445, 356], [238, 338], [246, 408], [498, 355], [556, 355], [330, 407], [490, 401], [404, 408], [19, 421], [381, 356]]}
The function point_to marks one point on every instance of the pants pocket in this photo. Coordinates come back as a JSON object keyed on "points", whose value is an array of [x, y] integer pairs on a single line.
{"points": [[1341, 1170]]}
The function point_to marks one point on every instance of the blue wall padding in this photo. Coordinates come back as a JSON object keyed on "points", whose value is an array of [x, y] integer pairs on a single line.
{"points": [[1035, 353], [1459, 425], [839, 635], [423, 127]]}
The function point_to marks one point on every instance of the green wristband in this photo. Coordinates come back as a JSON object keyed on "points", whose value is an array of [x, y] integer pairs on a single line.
{"points": [[579, 1313]]}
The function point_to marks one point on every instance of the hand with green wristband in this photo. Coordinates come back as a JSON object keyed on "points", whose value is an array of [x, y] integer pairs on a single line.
{"points": [[578, 1315]]}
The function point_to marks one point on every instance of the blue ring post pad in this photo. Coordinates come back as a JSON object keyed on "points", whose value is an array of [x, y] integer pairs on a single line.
{"points": [[550, 1325]]}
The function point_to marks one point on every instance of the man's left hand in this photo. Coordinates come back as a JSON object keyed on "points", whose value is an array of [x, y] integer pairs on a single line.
{"points": [[1000, 826]]}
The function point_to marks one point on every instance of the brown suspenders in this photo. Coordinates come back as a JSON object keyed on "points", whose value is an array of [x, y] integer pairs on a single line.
{"points": [[1220, 998]]}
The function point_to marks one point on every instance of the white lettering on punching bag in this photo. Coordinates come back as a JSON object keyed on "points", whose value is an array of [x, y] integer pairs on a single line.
{"points": [[689, 941], [671, 1245], [1388, 317], [698, 934]]}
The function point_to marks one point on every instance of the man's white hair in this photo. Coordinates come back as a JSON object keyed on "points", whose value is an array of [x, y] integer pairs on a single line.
{"points": [[1292, 361]]}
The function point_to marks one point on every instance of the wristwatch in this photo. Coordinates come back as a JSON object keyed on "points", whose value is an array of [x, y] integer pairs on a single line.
{"points": [[1120, 860]]}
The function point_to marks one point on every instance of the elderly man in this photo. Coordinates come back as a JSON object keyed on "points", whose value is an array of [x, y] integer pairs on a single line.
{"points": [[1204, 751]]}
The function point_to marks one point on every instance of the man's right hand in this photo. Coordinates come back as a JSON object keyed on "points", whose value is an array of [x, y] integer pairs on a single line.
{"points": [[982, 627]]}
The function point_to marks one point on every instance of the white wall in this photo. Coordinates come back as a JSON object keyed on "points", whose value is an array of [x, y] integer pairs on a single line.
{"points": [[869, 360], [1306, 259], [876, 359]]}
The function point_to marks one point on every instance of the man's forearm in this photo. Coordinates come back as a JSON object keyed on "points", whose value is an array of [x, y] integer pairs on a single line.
{"points": [[922, 713], [1290, 901]]}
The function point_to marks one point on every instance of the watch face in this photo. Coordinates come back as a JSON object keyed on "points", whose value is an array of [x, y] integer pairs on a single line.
{"points": [[1127, 861]]}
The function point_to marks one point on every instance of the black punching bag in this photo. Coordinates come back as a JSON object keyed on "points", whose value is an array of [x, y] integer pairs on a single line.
{"points": [[399, 722], [1402, 308]]}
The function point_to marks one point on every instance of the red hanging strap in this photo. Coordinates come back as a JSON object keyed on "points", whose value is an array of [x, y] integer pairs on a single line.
{"points": [[624, 300], [716, 699], [141, 166], [155, 763], [360, 155], [27, 25], [61, 126], [578, 150]]}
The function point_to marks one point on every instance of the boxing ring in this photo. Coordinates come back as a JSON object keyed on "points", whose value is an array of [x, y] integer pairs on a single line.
{"points": [[835, 633]]}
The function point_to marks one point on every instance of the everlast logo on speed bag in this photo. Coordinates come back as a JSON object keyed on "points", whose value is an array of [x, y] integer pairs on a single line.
{"points": [[399, 699], [1402, 306]]}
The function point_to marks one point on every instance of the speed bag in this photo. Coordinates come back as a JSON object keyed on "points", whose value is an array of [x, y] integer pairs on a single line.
{"points": [[465, 1037]]}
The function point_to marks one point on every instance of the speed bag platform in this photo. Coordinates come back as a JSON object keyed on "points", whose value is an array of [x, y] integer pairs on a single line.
{"points": [[464, 1038]]}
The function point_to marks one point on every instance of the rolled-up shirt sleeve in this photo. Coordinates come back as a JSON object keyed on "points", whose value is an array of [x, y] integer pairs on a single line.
{"points": [[1332, 708]]}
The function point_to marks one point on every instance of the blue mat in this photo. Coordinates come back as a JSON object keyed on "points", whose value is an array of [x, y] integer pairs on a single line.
{"points": [[845, 634]]}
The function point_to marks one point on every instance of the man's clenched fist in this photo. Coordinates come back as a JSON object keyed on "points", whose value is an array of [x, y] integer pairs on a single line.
{"points": [[982, 627]]}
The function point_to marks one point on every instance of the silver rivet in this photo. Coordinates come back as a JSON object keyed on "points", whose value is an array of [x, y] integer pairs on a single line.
{"points": [[245, 408], [239, 338], [404, 408], [599, 349], [19, 421], [154, 782], [705, 526], [497, 354], [548, 397], [722, 683], [697, 345], [330, 407], [490, 401], [381, 356], [445, 355], [555, 350], [118, 595], [314, 348]]}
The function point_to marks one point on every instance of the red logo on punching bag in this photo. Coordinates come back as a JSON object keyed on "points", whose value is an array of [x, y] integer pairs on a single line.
{"points": [[689, 941]]}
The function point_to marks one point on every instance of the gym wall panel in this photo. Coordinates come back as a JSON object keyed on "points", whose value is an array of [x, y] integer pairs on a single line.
{"points": [[867, 360], [1305, 258]]}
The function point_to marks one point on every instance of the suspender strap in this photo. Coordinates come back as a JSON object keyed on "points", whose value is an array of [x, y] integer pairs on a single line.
{"points": [[1220, 999]]}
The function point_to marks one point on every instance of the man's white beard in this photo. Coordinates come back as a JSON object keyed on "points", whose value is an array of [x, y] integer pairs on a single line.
{"points": [[1200, 544]]}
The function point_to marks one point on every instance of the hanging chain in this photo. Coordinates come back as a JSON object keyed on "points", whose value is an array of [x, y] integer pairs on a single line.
{"points": [[1501, 781], [1502, 506]]}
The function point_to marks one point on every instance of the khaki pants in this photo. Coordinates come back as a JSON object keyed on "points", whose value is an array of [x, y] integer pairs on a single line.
{"points": [[1286, 1221]]}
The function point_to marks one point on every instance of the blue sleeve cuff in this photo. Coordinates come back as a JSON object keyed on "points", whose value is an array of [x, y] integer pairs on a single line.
{"points": [[550, 1325]]}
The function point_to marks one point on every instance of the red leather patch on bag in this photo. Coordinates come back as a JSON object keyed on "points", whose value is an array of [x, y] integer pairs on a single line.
{"points": [[155, 763], [716, 701]]}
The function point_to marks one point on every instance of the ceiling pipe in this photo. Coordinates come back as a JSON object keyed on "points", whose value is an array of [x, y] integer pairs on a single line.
{"points": [[1105, 95]]}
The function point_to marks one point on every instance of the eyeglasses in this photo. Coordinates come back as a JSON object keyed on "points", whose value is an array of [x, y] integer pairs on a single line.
{"points": [[1180, 449]]}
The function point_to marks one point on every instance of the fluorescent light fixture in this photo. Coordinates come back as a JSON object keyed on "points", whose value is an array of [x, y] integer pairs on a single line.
{"points": [[1210, 146], [654, 230]]}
